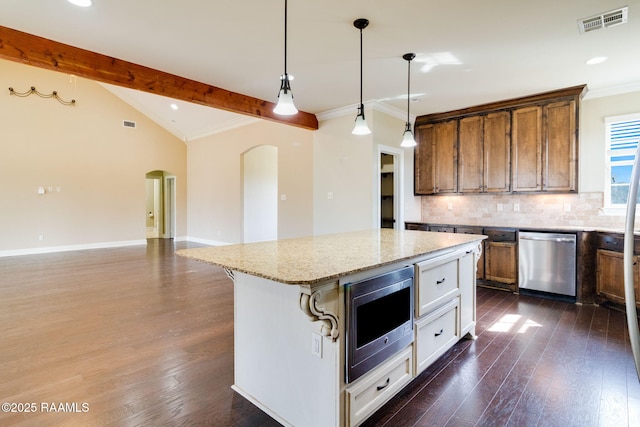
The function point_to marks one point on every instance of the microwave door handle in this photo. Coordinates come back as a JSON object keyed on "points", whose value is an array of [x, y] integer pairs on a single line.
{"points": [[629, 293]]}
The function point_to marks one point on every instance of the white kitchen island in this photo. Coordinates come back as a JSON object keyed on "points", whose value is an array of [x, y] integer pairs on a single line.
{"points": [[289, 317]]}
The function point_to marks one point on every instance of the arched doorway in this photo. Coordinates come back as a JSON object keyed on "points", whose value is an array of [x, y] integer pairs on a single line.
{"points": [[260, 193], [160, 205]]}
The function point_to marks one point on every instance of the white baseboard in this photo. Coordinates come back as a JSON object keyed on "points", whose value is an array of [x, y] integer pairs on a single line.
{"points": [[101, 245], [67, 248], [206, 241]]}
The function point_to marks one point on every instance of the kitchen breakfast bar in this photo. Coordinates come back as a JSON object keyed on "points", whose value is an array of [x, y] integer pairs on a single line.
{"points": [[328, 328]]}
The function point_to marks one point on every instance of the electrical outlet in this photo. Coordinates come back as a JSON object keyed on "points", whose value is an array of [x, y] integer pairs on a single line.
{"points": [[567, 207], [330, 195], [499, 207], [450, 206], [316, 344], [516, 207]]}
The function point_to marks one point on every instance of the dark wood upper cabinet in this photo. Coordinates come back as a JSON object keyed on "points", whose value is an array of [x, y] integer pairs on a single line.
{"points": [[497, 152], [484, 153], [436, 158], [560, 148], [527, 149], [471, 155], [527, 144], [424, 172]]}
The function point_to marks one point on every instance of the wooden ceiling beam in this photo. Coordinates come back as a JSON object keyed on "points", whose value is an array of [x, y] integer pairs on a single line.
{"points": [[44, 53]]}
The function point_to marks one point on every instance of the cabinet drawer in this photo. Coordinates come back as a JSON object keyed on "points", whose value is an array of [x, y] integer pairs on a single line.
{"points": [[435, 334], [615, 242], [373, 390], [416, 226], [442, 228], [437, 282], [500, 234], [469, 230]]}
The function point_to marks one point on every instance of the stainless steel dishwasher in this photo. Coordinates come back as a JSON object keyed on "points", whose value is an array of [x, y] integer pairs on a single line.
{"points": [[547, 262]]}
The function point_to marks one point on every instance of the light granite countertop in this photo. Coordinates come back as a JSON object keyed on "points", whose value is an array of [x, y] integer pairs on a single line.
{"points": [[316, 259]]}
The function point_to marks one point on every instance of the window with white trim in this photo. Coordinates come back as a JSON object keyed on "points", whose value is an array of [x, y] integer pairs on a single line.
{"points": [[622, 138]]}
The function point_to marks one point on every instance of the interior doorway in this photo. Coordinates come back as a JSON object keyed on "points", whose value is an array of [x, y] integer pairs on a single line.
{"points": [[260, 193], [390, 186], [160, 205]]}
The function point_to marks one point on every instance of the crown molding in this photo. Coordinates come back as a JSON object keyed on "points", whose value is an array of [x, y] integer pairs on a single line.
{"points": [[613, 90]]}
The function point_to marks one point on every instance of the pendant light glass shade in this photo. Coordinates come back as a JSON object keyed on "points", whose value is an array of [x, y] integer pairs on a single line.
{"points": [[408, 140], [285, 106], [360, 127]]}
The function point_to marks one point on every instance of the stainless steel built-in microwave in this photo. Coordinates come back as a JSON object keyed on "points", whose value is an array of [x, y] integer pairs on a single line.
{"points": [[379, 320]]}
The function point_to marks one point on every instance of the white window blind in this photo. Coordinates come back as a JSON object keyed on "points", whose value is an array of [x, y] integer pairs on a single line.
{"points": [[623, 136]]}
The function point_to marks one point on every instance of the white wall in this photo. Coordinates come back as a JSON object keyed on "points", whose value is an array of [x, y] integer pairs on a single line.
{"points": [[592, 135], [95, 167], [260, 178], [346, 166], [215, 200]]}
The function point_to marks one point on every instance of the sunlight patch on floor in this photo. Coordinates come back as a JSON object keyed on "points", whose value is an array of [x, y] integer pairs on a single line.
{"points": [[509, 321]]}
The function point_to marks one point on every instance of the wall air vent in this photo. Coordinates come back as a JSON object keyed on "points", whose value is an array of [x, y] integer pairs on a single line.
{"points": [[128, 124], [604, 20]]}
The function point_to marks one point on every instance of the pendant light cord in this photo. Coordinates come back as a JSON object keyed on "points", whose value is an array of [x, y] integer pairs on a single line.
{"points": [[361, 106], [408, 88], [286, 77]]}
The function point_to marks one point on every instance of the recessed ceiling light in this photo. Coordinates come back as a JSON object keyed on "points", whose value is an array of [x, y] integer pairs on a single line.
{"points": [[81, 3], [596, 60], [174, 106]]}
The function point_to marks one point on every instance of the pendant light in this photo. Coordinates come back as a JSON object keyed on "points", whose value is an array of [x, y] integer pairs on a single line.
{"points": [[285, 106], [361, 127], [408, 139]]}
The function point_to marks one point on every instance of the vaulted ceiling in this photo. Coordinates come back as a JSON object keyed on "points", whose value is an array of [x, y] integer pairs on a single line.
{"points": [[468, 52]]}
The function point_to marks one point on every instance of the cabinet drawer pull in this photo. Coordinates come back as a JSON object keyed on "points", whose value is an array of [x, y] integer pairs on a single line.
{"points": [[437, 334], [439, 282], [381, 387]]}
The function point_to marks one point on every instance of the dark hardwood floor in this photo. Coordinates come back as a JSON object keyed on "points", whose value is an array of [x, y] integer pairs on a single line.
{"points": [[142, 337]]}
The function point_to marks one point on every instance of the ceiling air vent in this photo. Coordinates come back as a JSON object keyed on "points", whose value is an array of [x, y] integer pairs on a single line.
{"points": [[128, 124], [604, 20]]}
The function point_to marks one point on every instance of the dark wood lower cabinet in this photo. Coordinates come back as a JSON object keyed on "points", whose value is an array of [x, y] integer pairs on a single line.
{"points": [[501, 259], [501, 265], [610, 276]]}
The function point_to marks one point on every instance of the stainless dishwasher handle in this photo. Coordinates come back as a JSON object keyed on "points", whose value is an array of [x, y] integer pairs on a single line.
{"points": [[549, 239]]}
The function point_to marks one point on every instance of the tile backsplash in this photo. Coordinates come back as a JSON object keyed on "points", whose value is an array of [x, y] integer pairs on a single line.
{"points": [[531, 210]]}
